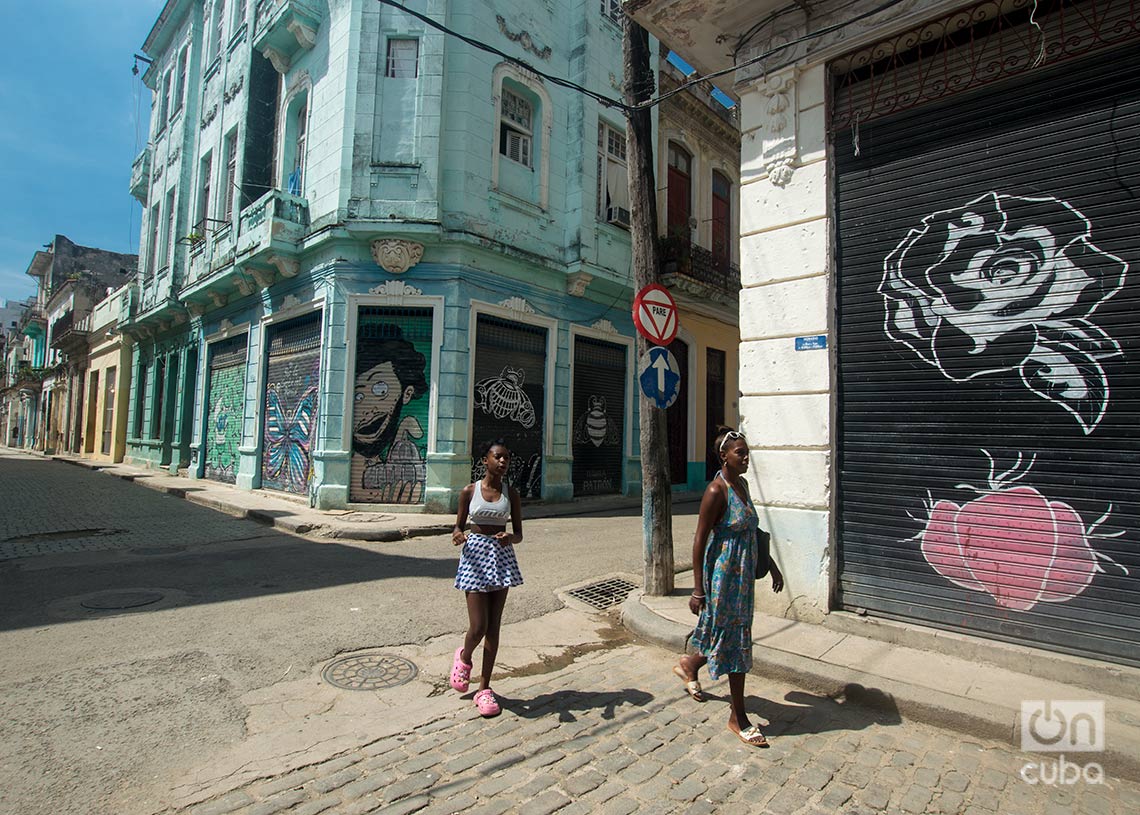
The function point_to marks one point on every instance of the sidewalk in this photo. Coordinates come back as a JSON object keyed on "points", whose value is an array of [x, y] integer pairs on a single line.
{"points": [[965, 684], [293, 515]]}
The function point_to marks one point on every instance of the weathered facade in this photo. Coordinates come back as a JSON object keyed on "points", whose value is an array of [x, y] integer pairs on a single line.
{"points": [[369, 245], [938, 317], [107, 387], [47, 376]]}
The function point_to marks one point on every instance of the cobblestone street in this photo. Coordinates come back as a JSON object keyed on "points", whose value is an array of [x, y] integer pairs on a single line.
{"points": [[613, 733]]}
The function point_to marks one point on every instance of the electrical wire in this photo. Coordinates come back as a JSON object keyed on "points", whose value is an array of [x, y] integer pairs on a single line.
{"points": [[649, 103]]}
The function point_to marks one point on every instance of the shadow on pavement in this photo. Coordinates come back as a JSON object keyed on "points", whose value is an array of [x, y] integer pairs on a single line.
{"points": [[565, 703], [856, 708]]}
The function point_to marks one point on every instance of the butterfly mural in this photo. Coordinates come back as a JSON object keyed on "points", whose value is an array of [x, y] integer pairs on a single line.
{"points": [[288, 439]]}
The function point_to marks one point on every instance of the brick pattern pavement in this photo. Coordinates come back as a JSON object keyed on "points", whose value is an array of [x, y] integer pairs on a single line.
{"points": [[102, 513], [614, 734]]}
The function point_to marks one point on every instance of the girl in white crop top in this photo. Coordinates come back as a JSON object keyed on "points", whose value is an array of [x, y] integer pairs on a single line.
{"points": [[487, 567]]}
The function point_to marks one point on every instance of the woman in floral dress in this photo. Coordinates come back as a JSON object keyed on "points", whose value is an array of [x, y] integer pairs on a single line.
{"points": [[724, 573]]}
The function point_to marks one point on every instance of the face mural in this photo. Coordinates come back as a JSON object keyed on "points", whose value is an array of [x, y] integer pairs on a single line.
{"points": [[388, 413]]}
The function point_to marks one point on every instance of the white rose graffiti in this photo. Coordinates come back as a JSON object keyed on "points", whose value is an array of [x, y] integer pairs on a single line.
{"points": [[1006, 283]]}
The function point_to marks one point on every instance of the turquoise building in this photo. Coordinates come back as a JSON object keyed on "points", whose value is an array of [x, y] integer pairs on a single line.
{"points": [[369, 245]]}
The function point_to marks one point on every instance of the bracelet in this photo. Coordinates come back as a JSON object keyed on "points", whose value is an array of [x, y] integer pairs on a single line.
{"points": [[697, 596]]}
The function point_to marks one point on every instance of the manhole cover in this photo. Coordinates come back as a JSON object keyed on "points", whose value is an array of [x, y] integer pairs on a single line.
{"points": [[369, 672], [118, 600], [605, 594]]}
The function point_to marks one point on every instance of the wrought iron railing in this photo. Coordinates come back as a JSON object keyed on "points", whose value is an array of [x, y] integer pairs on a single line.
{"points": [[679, 255]]}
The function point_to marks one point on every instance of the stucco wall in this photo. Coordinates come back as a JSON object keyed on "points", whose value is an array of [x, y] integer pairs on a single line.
{"points": [[786, 402]]}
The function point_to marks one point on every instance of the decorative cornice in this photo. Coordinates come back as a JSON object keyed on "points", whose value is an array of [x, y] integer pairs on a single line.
{"points": [[523, 38], [286, 267], [280, 61], [605, 326], [395, 288], [396, 256], [518, 304], [291, 301]]}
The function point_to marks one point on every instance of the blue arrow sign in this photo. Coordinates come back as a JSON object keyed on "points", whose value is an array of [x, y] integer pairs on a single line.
{"points": [[659, 376]]}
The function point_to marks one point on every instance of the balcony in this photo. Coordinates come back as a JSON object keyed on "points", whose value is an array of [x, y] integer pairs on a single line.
{"points": [[69, 335], [282, 28], [32, 321], [697, 271], [140, 175]]}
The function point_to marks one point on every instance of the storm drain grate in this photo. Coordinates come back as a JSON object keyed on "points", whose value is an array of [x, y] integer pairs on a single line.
{"points": [[119, 600], [369, 672], [605, 594]]}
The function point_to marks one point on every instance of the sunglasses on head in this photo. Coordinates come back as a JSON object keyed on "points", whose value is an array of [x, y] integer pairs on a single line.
{"points": [[731, 435]]}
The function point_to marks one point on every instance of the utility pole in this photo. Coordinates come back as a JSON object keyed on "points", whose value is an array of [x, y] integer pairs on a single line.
{"points": [[656, 489]]}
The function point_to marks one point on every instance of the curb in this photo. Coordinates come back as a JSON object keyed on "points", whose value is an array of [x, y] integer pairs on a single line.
{"points": [[969, 717]]}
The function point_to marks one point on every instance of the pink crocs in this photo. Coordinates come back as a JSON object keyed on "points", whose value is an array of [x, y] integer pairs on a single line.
{"points": [[487, 703], [460, 672]]}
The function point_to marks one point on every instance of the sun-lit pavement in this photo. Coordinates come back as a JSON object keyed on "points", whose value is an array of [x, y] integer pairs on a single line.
{"points": [[613, 733], [161, 657]]}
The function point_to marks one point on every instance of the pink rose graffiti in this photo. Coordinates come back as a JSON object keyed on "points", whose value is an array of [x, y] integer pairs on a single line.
{"points": [[1013, 543]]}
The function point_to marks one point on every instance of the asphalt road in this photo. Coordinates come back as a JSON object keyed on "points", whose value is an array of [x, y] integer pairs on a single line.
{"points": [[99, 699]]}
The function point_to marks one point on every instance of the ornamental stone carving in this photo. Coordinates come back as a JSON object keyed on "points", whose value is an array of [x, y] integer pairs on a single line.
{"points": [[577, 282], [396, 256], [395, 288], [523, 38], [605, 326], [518, 304]]}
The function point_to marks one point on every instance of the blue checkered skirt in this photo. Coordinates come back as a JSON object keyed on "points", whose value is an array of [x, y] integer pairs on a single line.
{"points": [[487, 565]]}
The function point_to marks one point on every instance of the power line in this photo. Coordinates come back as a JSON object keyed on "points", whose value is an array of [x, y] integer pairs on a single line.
{"points": [[692, 81]]}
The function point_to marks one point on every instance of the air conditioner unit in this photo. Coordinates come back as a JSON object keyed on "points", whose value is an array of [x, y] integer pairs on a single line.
{"points": [[618, 216]]}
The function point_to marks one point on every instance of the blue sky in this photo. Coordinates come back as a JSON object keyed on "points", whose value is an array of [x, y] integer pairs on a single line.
{"points": [[68, 131]]}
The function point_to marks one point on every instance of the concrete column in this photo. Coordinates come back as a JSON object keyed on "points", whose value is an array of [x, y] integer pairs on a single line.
{"points": [[786, 400]]}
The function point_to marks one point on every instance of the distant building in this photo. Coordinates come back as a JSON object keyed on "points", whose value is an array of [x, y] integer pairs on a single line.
{"points": [[45, 394]]}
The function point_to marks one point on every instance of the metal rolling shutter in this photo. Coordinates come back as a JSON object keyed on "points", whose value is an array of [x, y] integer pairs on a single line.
{"points": [[389, 421], [599, 416], [989, 385], [292, 383], [225, 406], [509, 394]]}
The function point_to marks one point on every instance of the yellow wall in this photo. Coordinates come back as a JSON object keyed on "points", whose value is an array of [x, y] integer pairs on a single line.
{"points": [[703, 332], [114, 354]]}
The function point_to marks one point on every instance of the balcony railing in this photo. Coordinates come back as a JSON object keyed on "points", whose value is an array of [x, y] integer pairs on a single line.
{"points": [[684, 261], [140, 175]]}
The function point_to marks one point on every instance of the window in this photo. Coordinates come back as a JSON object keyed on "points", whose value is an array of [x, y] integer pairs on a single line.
{"points": [[152, 244], [168, 239], [679, 207], [613, 181], [216, 30], [180, 85], [230, 182], [612, 9], [205, 170], [164, 106], [721, 217], [156, 414], [140, 399], [297, 177], [239, 17], [108, 409], [403, 59], [515, 128]]}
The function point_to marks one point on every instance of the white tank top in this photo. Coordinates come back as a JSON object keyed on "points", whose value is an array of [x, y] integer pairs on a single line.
{"points": [[488, 513]]}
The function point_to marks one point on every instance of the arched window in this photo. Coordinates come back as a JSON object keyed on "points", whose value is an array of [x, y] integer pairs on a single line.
{"points": [[520, 164], [680, 187], [721, 217], [294, 147]]}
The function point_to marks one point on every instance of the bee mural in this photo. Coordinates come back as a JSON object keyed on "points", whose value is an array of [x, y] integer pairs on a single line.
{"points": [[595, 425], [503, 397]]}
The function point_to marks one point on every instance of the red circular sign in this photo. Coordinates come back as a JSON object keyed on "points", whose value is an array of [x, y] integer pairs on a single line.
{"points": [[655, 314]]}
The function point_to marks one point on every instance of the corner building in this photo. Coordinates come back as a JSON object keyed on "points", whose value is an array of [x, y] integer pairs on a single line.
{"points": [[938, 315], [369, 246]]}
